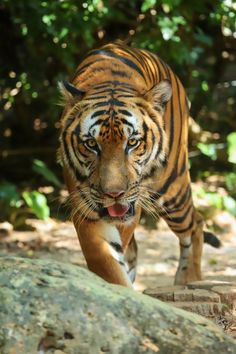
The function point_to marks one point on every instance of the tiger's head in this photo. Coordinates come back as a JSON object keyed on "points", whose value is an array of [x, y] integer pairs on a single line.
{"points": [[112, 142]]}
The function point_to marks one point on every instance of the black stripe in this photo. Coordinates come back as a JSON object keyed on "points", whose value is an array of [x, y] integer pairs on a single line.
{"points": [[151, 172], [183, 167], [75, 149], [125, 96], [180, 112], [80, 70], [137, 171], [123, 120], [126, 61], [171, 125], [98, 113], [111, 101], [182, 201], [95, 97], [160, 145], [125, 112], [78, 175], [185, 246], [145, 130], [99, 121], [121, 263], [179, 219], [117, 247], [181, 231], [120, 73], [163, 189], [153, 138], [77, 132], [106, 90], [115, 102], [107, 84]]}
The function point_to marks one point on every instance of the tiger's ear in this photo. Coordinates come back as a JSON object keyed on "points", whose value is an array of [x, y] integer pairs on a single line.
{"points": [[70, 92], [159, 95]]}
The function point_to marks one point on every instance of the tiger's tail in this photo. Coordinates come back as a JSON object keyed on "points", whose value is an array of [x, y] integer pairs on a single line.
{"points": [[211, 239]]}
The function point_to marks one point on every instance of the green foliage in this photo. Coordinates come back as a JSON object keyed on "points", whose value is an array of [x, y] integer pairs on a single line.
{"points": [[209, 150], [231, 139], [212, 261], [147, 5], [43, 41], [230, 181], [9, 196], [41, 168], [16, 206], [229, 204], [37, 202], [221, 202]]}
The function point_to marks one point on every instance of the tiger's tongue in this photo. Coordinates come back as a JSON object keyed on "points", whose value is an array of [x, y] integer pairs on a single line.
{"points": [[117, 210]]}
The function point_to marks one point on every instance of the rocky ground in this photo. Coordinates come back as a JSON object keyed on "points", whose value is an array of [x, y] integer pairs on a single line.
{"points": [[158, 250], [51, 307]]}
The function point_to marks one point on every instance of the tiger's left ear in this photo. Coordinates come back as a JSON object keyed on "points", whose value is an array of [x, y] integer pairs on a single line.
{"points": [[159, 95], [70, 92]]}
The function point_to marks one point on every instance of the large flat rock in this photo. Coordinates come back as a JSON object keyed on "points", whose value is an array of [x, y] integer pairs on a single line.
{"points": [[48, 307]]}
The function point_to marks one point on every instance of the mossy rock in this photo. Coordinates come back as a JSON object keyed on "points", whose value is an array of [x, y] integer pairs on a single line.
{"points": [[48, 307]]}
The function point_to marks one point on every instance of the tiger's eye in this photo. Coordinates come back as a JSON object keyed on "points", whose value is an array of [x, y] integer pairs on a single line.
{"points": [[132, 142], [91, 143]]}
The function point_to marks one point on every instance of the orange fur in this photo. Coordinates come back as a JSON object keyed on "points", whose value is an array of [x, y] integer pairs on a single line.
{"points": [[123, 144]]}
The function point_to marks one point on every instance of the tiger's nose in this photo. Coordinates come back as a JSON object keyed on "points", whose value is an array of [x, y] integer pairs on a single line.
{"points": [[115, 194]]}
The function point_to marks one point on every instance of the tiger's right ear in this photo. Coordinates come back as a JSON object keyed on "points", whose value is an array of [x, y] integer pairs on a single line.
{"points": [[70, 92]]}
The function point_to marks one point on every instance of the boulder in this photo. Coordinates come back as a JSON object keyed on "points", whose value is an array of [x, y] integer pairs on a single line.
{"points": [[51, 308]]}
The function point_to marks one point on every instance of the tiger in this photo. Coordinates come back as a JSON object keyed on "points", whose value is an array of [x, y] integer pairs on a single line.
{"points": [[123, 146]]}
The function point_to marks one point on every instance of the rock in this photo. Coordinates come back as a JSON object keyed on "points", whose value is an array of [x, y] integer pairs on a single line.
{"points": [[207, 309], [5, 228], [51, 308], [227, 295], [205, 295], [164, 293], [208, 284], [206, 298]]}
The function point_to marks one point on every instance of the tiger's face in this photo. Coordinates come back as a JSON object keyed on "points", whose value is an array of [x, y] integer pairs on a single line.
{"points": [[112, 148]]}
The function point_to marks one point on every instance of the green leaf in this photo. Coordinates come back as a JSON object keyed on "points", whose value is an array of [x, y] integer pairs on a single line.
{"points": [[147, 4], [63, 32], [203, 37], [37, 202], [231, 139], [231, 181], [208, 150], [215, 199], [230, 204], [48, 19], [40, 167], [10, 195]]}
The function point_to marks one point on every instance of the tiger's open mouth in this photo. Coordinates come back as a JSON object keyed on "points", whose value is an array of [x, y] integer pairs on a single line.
{"points": [[118, 211]]}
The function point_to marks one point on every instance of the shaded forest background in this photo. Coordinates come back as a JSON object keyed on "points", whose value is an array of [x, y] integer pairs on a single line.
{"points": [[41, 43]]}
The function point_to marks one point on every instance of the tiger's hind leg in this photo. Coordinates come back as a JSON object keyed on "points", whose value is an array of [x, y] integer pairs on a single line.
{"points": [[187, 224], [130, 257], [189, 268]]}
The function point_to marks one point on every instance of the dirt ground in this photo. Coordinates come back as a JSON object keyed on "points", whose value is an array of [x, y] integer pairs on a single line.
{"points": [[158, 250]]}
